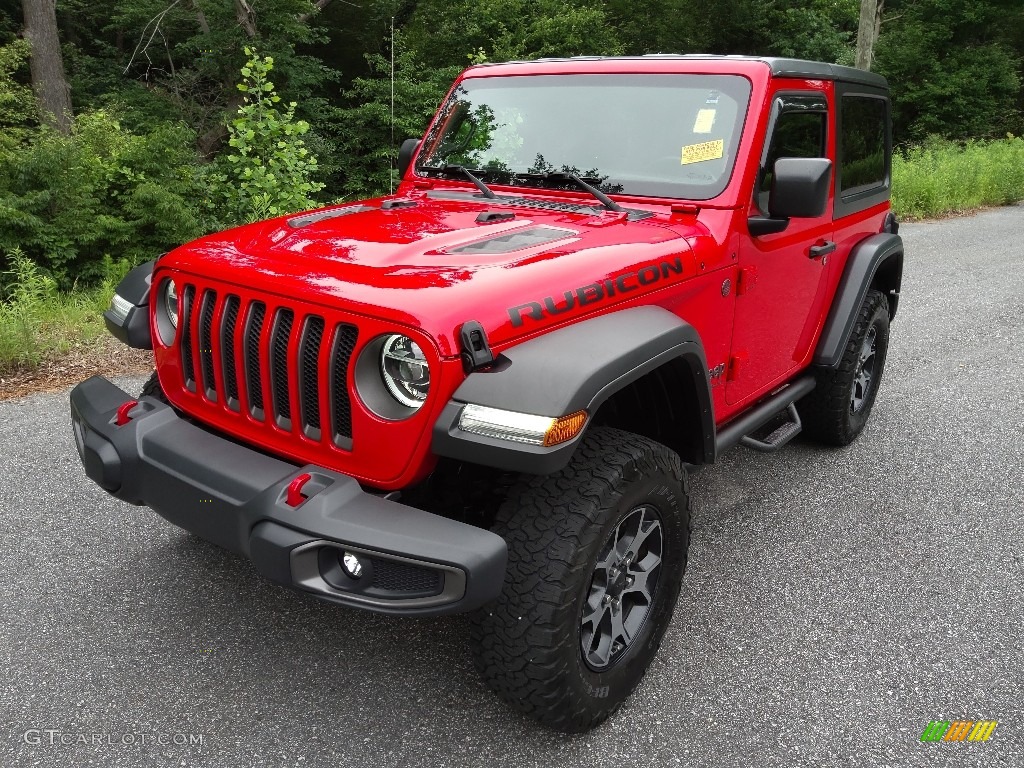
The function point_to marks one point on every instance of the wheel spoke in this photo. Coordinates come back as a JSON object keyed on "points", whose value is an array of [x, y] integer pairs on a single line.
{"points": [[619, 631], [622, 587], [596, 609], [643, 534]]}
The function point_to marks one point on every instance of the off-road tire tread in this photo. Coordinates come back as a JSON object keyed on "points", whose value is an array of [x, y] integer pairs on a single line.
{"points": [[545, 525], [153, 389]]}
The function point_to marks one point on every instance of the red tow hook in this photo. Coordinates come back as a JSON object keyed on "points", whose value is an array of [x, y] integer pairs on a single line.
{"points": [[295, 496], [122, 417]]}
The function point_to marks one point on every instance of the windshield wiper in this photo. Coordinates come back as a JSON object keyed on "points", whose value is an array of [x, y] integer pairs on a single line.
{"points": [[463, 171], [606, 201]]}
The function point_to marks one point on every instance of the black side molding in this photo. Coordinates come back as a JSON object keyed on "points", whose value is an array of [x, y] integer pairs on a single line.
{"points": [[877, 261], [133, 328]]}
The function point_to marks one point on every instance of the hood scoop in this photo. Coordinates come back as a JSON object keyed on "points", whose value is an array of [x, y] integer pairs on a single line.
{"points": [[515, 241], [312, 218]]}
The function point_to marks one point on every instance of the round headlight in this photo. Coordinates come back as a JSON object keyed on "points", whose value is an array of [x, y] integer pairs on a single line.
{"points": [[171, 302], [404, 370]]}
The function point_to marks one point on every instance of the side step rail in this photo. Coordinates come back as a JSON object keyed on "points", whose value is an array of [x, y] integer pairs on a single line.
{"points": [[779, 437], [733, 433]]}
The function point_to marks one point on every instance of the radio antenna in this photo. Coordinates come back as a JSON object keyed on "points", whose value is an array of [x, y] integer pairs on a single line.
{"points": [[391, 155]]}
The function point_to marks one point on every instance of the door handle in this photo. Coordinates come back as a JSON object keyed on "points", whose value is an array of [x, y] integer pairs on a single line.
{"points": [[822, 249]]}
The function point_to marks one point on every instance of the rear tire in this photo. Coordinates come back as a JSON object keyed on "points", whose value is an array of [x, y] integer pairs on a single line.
{"points": [[597, 554], [838, 408]]}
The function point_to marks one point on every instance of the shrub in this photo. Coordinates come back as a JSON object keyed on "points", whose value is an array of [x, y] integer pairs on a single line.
{"points": [[941, 177], [269, 170], [68, 201]]}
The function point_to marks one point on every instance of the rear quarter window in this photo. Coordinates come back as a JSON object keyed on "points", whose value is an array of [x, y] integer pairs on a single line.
{"points": [[865, 149]]}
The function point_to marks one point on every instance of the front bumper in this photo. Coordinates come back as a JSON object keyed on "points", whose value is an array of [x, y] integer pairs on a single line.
{"points": [[413, 562]]}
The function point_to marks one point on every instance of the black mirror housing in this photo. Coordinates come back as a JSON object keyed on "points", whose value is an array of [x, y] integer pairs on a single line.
{"points": [[405, 155], [800, 187]]}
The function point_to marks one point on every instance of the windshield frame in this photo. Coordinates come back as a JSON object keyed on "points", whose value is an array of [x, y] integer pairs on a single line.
{"points": [[740, 87]]}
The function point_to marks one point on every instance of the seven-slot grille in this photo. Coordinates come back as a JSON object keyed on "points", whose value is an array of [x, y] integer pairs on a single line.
{"points": [[283, 352]]}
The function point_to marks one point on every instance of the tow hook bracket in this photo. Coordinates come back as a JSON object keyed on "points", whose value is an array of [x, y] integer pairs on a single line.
{"points": [[295, 495], [123, 412]]}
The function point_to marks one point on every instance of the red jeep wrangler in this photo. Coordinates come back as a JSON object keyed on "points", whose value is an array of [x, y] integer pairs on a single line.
{"points": [[483, 393]]}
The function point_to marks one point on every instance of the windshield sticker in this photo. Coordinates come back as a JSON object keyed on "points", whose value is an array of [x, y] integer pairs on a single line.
{"points": [[699, 153], [704, 122]]}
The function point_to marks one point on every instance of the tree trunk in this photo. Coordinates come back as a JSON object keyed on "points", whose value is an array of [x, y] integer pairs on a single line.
{"points": [[246, 17], [867, 31], [46, 63]]}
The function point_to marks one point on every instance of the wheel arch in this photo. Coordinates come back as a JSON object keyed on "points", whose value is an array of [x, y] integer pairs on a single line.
{"points": [[875, 263], [606, 365]]}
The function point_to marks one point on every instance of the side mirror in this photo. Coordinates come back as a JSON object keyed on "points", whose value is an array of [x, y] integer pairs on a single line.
{"points": [[799, 187], [405, 155], [799, 191]]}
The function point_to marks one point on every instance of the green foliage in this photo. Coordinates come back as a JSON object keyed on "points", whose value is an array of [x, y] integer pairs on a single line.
{"points": [[171, 61], [68, 201], [269, 171], [366, 155], [17, 104], [37, 321], [941, 177], [951, 67], [443, 33]]}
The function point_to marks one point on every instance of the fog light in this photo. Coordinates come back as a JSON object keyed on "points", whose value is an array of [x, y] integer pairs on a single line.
{"points": [[350, 563]]}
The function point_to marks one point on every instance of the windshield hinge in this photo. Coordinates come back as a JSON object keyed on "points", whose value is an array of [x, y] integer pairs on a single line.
{"points": [[476, 352]]}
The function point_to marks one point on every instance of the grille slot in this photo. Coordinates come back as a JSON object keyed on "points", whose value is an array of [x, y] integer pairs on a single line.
{"points": [[290, 367], [392, 576], [227, 350], [206, 306], [279, 388], [341, 406], [309, 381], [187, 361], [253, 369]]}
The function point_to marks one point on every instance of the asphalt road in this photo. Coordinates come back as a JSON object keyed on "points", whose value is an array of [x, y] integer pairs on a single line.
{"points": [[836, 600]]}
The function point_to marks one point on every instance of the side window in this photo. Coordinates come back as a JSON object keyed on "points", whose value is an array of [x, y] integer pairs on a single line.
{"points": [[796, 134], [862, 137]]}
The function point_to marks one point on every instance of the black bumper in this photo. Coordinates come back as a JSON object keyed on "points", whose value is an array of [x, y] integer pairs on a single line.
{"points": [[412, 562]]}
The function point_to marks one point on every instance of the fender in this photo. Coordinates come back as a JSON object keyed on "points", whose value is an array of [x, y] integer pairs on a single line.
{"points": [[130, 322], [875, 262], [572, 369]]}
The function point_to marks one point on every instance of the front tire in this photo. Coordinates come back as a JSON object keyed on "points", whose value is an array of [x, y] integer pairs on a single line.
{"points": [[597, 554]]}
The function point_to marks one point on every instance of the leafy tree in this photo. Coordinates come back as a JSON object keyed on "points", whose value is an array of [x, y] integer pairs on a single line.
{"points": [[269, 170], [69, 201], [47, 63], [951, 71], [367, 154], [17, 105]]}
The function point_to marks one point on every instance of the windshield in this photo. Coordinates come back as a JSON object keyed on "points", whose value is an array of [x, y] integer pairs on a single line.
{"points": [[651, 135]]}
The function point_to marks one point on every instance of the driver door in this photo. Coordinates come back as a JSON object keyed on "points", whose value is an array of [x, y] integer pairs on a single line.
{"points": [[780, 290]]}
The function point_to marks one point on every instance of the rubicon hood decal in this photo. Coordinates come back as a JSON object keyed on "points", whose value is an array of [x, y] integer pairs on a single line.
{"points": [[595, 292]]}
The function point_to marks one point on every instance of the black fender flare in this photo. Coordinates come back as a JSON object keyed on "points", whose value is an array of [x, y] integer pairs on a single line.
{"points": [[571, 369], [876, 261], [133, 328]]}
